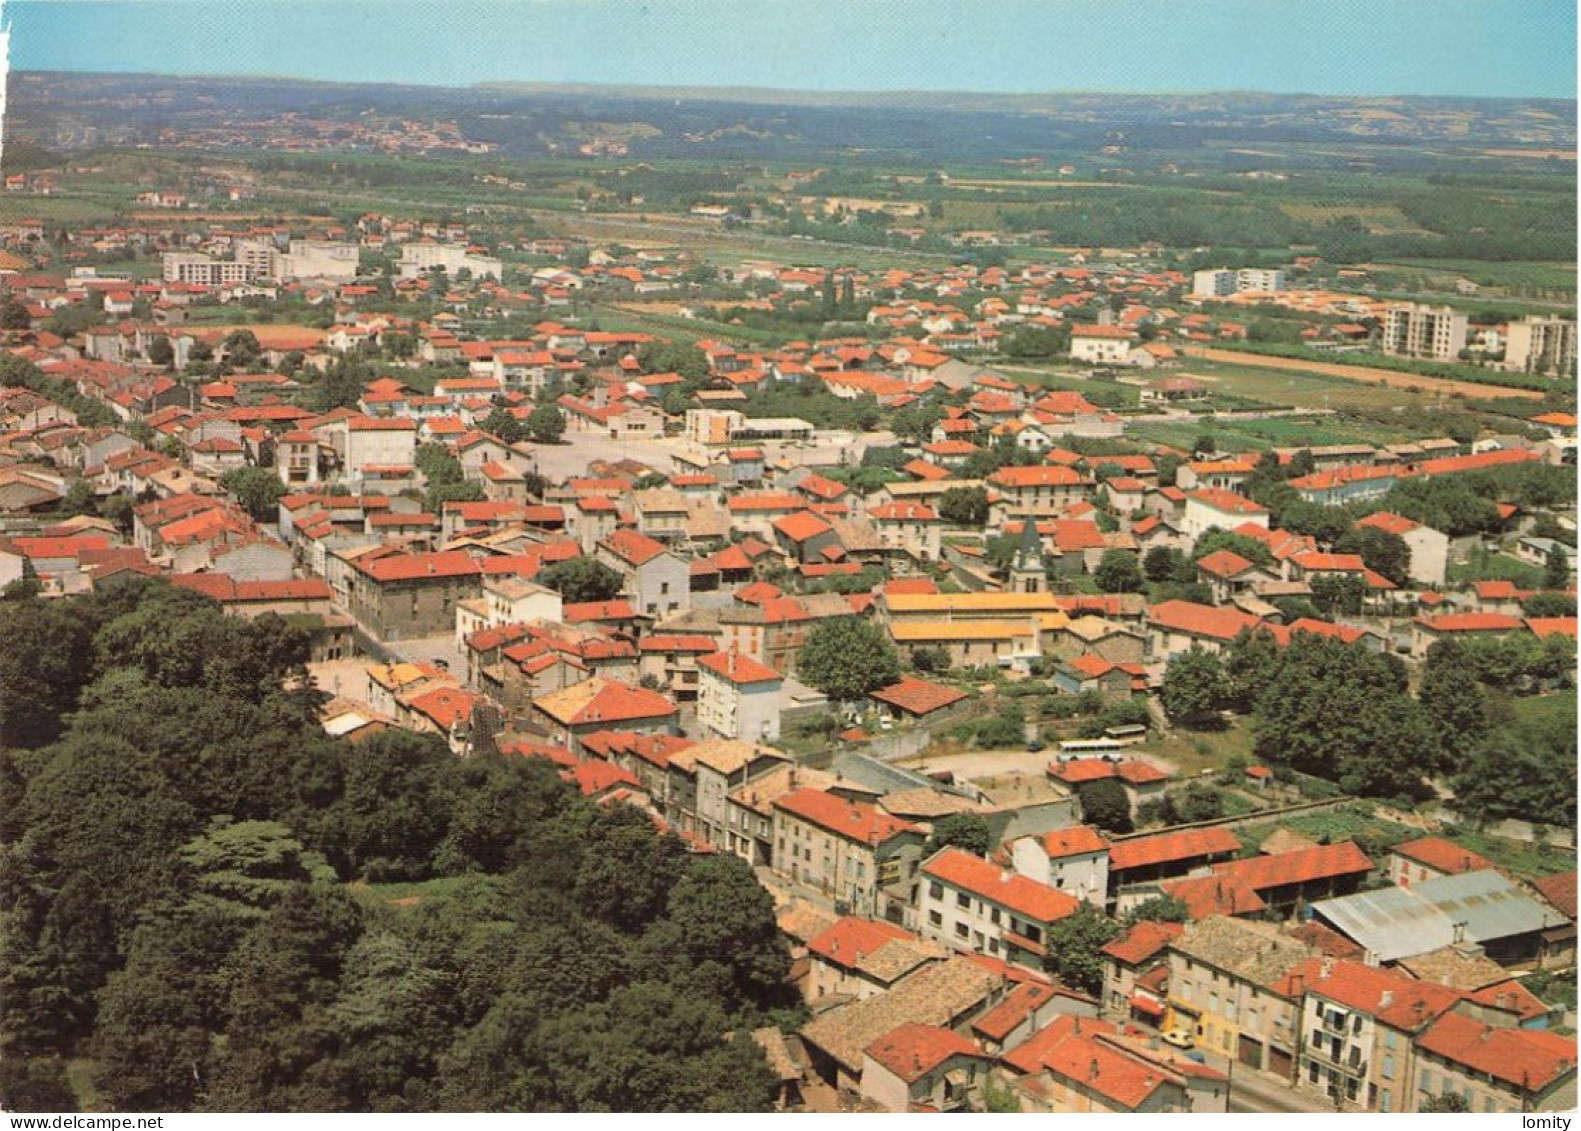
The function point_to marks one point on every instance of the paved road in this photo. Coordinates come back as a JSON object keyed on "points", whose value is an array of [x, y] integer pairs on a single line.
{"points": [[1253, 1092]]}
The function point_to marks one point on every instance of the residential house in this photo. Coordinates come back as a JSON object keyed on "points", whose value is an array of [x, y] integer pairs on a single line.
{"points": [[657, 582], [1359, 1025], [1074, 860], [1229, 988], [737, 697], [596, 704], [973, 904], [701, 778], [847, 849], [924, 1068]]}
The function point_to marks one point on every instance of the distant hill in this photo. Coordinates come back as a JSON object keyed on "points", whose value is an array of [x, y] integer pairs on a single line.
{"points": [[63, 111]]}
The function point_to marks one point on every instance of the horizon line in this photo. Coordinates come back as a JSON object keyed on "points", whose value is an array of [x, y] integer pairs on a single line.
{"points": [[694, 90]]}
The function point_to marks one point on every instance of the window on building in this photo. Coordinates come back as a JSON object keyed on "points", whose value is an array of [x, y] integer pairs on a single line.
{"points": [[993, 946], [962, 900], [935, 919], [993, 916], [961, 930], [935, 890], [1312, 1072]]}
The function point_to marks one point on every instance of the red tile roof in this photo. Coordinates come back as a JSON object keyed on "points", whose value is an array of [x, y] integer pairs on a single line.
{"points": [[1224, 563], [1172, 847], [736, 668], [854, 820], [1078, 840], [1000, 1021], [852, 939], [1528, 1059], [1391, 523], [1559, 890], [631, 547], [1326, 861], [1396, 999], [1201, 620], [1443, 855], [1470, 622], [801, 526], [917, 696], [912, 1050], [1143, 942], [965, 872], [1045, 476], [1227, 502]]}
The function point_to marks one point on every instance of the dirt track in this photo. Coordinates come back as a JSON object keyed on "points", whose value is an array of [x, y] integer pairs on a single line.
{"points": [[1362, 373]]}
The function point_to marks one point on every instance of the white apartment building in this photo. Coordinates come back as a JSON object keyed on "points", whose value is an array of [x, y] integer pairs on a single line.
{"points": [[1546, 346], [1437, 333], [417, 258], [1221, 282]]}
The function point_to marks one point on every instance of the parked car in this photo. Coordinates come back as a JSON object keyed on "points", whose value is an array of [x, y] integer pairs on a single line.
{"points": [[1180, 1038]]}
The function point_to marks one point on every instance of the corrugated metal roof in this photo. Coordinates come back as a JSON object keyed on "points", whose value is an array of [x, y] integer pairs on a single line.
{"points": [[1391, 923], [1398, 923], [1489, 904]]}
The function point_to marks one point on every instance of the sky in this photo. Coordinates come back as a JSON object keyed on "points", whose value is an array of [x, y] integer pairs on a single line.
{"points": [[1356, 47]]}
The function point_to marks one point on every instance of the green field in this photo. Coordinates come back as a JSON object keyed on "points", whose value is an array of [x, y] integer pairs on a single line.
{"points": [[1518, 276], [1484, 566]]}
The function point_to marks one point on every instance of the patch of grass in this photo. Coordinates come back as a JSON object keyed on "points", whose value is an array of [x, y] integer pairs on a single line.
{"points": [[79, 1077], [404, 895], [1192, 752], [1483, 566]]}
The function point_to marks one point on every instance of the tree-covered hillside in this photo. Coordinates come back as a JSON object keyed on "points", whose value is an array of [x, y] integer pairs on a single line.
{"points": [[183, 861]]}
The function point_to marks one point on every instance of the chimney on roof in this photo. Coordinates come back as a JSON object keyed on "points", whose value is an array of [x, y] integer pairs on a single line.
{"points": [[1093, 1071], [1328, 966], [1386, 1000]]}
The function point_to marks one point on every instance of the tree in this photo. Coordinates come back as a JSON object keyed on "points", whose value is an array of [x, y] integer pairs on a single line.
{"points": [[1341, 712], [241, 348], [1199, 802], [1452, 698], [1105, 805], [966, 831], [502, 424], [14, 315], [1384, 552], [1556, 568], [1158, 909], [581, 580], [256, 489], [931, 659], [964, 506], [1075, 948], [1117, 572], [1524, 768], [1214, 539], [1163, 563], [1248, 663], [1549, 605], [546, 424], [1195, 687], [1450, 1102], [846, 658], [161, 352]]}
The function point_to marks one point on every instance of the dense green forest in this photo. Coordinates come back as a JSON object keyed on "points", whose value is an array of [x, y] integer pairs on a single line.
{"points": [[184, 868]]}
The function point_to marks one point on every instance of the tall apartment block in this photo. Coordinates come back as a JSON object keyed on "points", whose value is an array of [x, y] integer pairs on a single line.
{"points": [[1545, 346], [1437, 333]]}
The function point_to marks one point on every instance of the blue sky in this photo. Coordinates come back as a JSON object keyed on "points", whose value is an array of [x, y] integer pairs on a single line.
{"points": [[1471, 47]]}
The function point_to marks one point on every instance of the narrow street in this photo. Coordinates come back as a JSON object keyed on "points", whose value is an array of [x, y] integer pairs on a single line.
{"points": [[1253, 1092]]}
